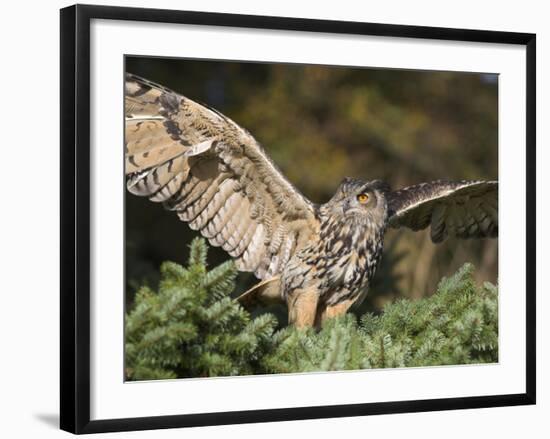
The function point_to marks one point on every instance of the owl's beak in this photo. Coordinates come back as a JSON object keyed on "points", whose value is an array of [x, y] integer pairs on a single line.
{"points": [[346, 205]]}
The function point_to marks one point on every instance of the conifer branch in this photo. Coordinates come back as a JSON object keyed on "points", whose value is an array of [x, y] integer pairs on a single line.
{"points": [[191, 327]]}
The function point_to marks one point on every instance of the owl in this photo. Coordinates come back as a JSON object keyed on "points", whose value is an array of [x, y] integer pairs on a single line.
{"points": [[317, 259]]}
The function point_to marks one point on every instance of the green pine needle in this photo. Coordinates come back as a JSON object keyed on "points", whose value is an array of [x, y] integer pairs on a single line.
{"points": [[191, 327]]}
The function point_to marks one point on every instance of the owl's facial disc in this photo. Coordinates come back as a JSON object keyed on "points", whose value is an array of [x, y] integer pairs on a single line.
{"points": [[359, 202]]}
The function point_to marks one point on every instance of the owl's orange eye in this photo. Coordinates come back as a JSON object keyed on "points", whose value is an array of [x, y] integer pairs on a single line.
{"points": [[362, 198]]}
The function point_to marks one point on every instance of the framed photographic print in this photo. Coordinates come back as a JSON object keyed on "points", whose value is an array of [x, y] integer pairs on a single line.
{"points": [[268, 218]]}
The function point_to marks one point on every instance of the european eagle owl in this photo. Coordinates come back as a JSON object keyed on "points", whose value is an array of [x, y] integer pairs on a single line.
{"points": [[318, 259]]}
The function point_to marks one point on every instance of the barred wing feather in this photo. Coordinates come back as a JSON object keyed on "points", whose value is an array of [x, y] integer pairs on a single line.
{"points": [[463, 209], [215, 176]]}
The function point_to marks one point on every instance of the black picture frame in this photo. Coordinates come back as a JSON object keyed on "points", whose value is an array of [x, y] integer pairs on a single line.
{"points": [[75, 217]]}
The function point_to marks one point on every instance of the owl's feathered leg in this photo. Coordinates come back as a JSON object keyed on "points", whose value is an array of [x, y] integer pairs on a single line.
{"points": [[302, 307], [331, 311]]}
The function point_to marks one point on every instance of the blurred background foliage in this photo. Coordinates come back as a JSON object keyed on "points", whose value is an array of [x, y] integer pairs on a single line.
{"points": [[323, 123]]}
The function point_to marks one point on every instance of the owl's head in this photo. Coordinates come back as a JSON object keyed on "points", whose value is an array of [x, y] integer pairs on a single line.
{"points": [[358, 199]]}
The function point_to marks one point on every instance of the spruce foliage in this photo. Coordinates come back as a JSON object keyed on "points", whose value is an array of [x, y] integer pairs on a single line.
{"points": [[192, 328], [456, 325]]}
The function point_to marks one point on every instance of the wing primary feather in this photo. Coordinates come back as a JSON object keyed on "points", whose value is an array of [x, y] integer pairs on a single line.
{"points": [[464, 209], [214, 174]]}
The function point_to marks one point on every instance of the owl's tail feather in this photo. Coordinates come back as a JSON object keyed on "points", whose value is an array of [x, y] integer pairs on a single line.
{"points": [[266, 292]]}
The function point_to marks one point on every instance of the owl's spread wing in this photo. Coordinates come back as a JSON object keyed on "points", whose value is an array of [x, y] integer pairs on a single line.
{"points": [[465, 209], [217, 178]]}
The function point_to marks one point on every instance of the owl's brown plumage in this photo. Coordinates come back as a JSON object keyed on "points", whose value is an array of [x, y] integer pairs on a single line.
{"points": [[318, 259], [215, 176]]}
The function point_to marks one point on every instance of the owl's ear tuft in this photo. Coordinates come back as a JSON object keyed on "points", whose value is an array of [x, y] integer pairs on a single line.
{"points": [[346, 180], [380, 186]]}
